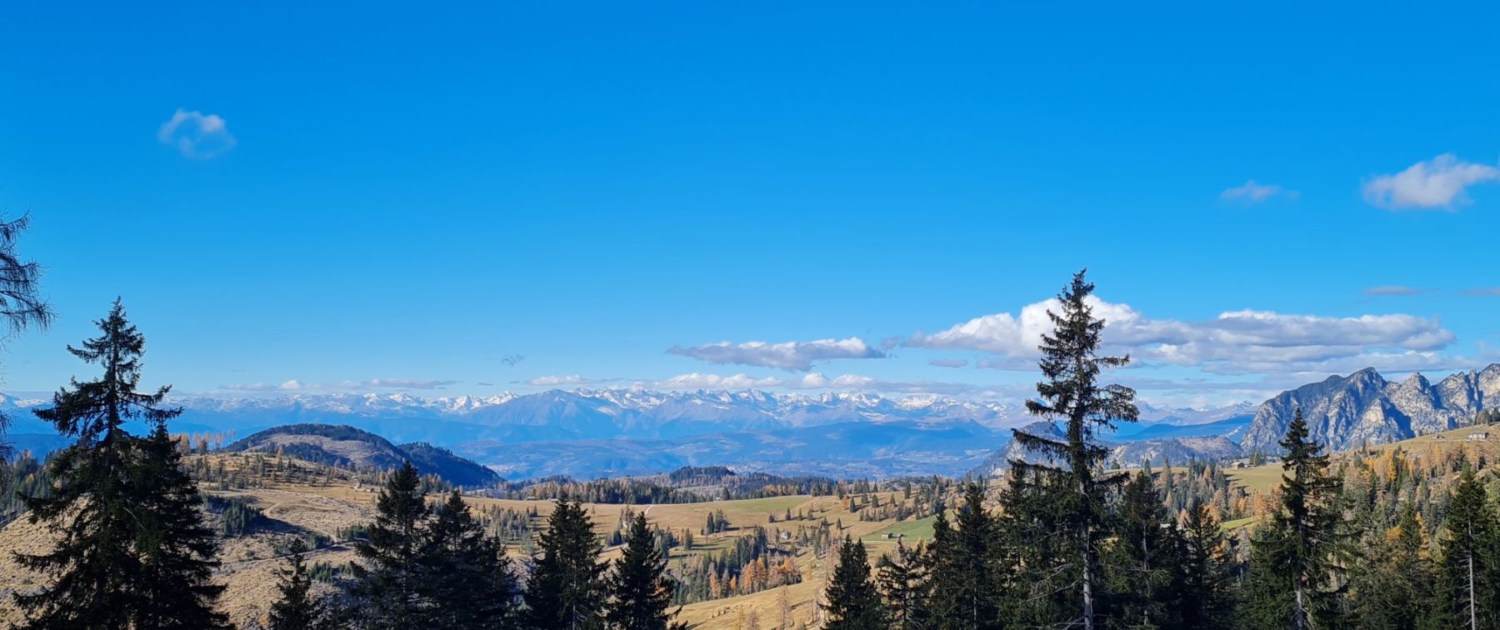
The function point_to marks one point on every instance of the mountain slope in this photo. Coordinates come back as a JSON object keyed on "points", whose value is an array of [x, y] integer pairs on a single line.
{"points": [[1364, 408], [349, 447]]}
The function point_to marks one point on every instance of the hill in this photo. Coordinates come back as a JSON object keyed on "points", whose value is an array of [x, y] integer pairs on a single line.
{"points": [[348, 447]]}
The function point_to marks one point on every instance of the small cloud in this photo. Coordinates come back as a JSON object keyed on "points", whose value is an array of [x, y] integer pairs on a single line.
{"points": [[1392, 290], [288, 386], [949, 363], [1438, 183], [512, 360], [196, 135], [484, 384], [1483, 291], [792, 356], [1253, 192], [561, 380]]}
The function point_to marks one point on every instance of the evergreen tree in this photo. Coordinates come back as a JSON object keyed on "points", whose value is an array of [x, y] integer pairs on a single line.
{"points": [[1207, 581], [904, 584], [1297, 559], [640, 591], [1470, 593], [101, 579], [1072, 393], [20, 305], [177, 549], [1144, 563], [967, 573], [296, 608], [1394, 585], [467, 579], [566, 590], [853, 602], [1043, 589], [388, 589]]}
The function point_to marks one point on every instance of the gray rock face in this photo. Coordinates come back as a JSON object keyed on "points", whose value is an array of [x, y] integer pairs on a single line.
{"points": [[1364, 408]]}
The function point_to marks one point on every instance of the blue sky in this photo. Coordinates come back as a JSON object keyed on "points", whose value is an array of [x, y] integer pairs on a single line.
{"points": [[450, 199]]}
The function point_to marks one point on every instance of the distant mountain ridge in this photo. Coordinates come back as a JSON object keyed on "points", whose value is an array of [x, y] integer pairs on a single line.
{"points": [[588, 433], [1343, 412]]}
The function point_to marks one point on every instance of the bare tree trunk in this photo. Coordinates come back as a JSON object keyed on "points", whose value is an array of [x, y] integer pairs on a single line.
{"points": [[1301, 612], [1473, 615]]}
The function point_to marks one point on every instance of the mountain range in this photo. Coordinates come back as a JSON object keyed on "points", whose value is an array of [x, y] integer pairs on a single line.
{"points": [[590, 433], [593, 433], [1344, 412]]}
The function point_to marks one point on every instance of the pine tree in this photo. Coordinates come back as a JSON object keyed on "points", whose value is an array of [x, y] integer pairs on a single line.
{"points": [[102, 579], [566, 591], [1071, 392], [468, 581], [853, 602], [388, 588], [296, 608], [904, 584], [1207, 597], [1297, 559], [1144, 563], [967, 575], [640, 591], [1470, 569], [176, 547]]}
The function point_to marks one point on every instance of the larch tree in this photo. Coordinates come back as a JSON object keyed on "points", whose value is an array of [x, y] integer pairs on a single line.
{"points": [[1071, 366], [21, 306]]}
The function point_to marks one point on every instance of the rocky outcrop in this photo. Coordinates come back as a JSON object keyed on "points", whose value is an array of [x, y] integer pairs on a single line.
{"points": [[1364, 408]]}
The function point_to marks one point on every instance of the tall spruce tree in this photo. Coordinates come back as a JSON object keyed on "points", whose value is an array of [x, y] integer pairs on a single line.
{"points": [[1394, 583], [1071, 393], [177, 549], [1470, 571], [1207, 575], [1297, 559], [468, 581], [1043, 589], [388, 590], [904, 583], [853, 602], [967, 568], [296, 608], [108, 563], [566, 590], [1144, 563], [640, 591]]}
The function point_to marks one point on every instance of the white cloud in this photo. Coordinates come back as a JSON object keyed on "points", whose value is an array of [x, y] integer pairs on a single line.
{"points": [[561, 380], [1482, 291], [1252, 192], [295, 385], [1235, 342], [1438, 183], [949, 363], [697, 380], [792, 356], [196, 135]]}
